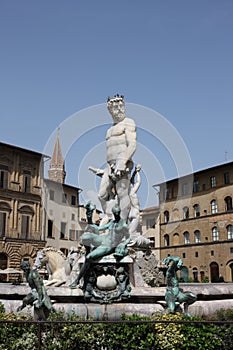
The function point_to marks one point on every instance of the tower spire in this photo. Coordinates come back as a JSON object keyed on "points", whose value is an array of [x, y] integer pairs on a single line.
{"points": [[57, 165]]}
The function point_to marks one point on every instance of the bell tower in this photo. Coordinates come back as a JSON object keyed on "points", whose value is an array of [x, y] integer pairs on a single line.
{"points": [[57, 165]]}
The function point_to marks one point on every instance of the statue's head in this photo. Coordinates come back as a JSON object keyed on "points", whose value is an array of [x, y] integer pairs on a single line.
{"points": [[40, 260], [116, 107]]}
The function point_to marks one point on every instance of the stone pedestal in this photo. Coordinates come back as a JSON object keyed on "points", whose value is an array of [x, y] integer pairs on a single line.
{"points": [[108, 279]]}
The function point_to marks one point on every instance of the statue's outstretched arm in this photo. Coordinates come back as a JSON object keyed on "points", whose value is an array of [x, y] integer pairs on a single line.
{"points": [[97, 171]]}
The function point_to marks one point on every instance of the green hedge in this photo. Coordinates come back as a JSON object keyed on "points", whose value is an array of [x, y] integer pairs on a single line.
{"points": [[115, 336]]}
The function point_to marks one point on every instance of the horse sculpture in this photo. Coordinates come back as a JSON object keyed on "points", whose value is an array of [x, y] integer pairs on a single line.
{"points": [[60, 268]]}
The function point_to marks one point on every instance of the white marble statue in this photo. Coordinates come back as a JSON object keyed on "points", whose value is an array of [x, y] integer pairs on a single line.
{"points": [[120, 146]]}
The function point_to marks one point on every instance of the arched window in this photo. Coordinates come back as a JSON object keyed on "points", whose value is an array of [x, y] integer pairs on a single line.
{"points": [[229, 232], [196, 208], [185, 212], [214, 206], [27, 213], [5, 210], [197, 236], [166, 240], [215, 234], [186, 237], [228, 203], [166, 216]]}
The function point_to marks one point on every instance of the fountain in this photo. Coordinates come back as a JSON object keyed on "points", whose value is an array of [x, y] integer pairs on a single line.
{"points": [[113, 269]]}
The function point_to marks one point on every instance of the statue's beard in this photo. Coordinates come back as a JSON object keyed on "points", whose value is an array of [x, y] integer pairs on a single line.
{"points": [[117, 118]]}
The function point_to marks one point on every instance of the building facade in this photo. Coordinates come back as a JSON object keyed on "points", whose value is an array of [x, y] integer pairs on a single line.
{"points": [[64, 219], [196, 223], [21, 171], [150, 227], [61, 226]]}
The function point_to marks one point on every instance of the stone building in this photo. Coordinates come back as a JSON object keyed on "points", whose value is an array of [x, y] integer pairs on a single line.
{"points": [[64, 218], [150, 227], [21, 237], [196, 222]]}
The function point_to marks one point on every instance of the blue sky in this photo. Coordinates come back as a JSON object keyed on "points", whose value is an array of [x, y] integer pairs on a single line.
{"points": [[174, 57]]}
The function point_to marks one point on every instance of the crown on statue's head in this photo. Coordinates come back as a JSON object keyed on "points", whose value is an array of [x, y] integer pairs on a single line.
{"points": [[116, 98]]}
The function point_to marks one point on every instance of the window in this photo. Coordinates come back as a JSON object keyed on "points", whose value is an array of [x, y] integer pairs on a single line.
{"points": [[196, 208], [197, 236], [3, 176], [63, 230], [195, 185], [186, 238], [186, 212], [184, 255], [214, 206], [27, 181], [25, 221], [229, 232], [231, 250], [51, 195], [213, 181], [72, 217], [212, 253], [228, 203], [226, 178], [73, 200], [2, 224], [215, 235], [50, 228], [150, 223], [166, 216], [196, 254], [166, 241]]}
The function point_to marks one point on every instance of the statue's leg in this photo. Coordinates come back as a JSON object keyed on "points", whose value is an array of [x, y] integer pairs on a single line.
{"points": [[82, 272], [187, 298], [105, 189], [134, 218], [122, 190], [95, 254]]}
